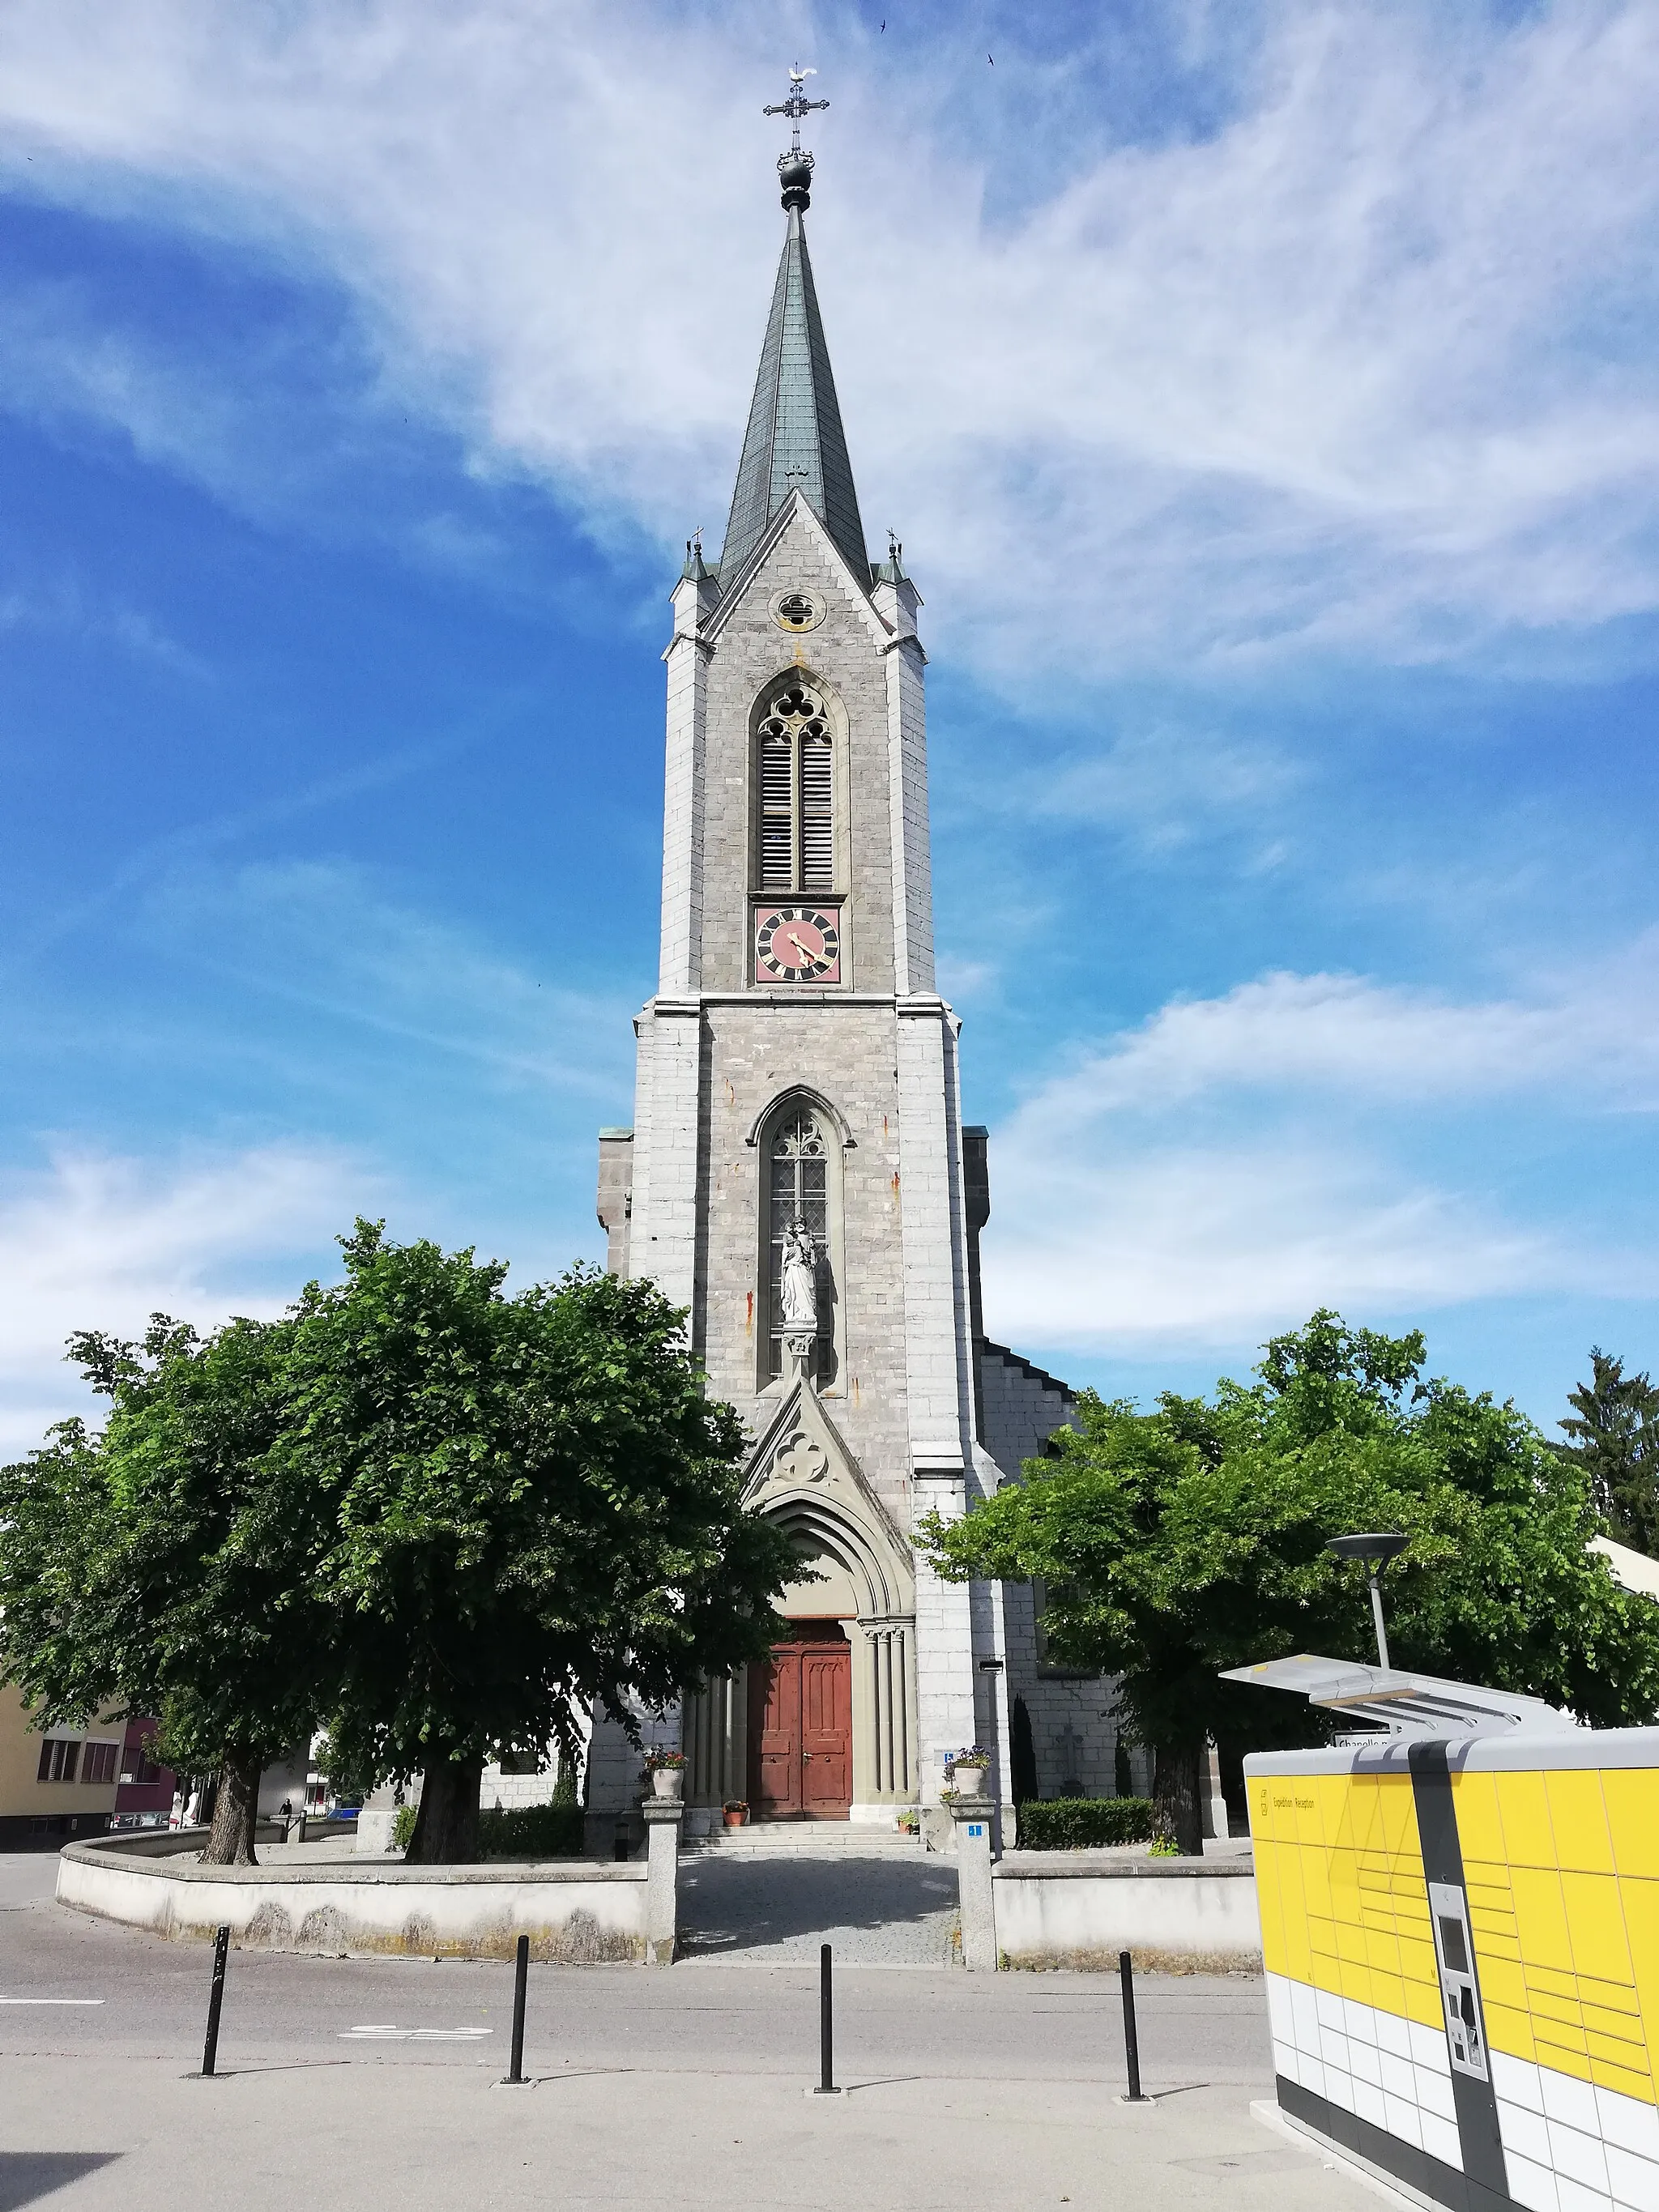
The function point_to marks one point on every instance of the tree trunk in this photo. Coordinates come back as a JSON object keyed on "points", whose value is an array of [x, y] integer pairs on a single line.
{"points": [[447, 1824], [1175, 1797], [235, 1808]]}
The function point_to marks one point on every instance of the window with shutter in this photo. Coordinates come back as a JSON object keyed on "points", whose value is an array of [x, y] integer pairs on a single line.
{"points": [[795, 836], [777, 811], [98, 1765], [60, 1758], [817, 819]]}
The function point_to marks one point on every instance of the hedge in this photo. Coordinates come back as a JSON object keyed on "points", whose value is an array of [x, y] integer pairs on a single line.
{"points": [[518, 1832], [530, 1832], [1081, 1824]]}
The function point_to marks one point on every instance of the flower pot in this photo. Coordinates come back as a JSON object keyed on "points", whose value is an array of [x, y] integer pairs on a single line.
{"points": [[667, 1781], [971, 1781], [735, 1820]]}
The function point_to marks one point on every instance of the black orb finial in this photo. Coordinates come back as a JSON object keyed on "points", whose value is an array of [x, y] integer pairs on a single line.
{"points": [[795, 175], [795, 167]]}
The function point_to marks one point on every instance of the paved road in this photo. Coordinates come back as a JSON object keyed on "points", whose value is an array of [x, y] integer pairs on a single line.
{"points": [[876, 1911], [686, 2085]]}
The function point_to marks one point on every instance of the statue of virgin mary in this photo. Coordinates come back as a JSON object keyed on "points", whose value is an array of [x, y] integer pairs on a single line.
{"points": [[799, 1290]]}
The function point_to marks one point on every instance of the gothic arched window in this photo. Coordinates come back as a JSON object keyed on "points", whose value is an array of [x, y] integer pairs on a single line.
{"points": [[798, 1169], [795, 836]]}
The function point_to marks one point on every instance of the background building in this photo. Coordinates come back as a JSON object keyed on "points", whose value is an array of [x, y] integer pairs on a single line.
{"points": [[58, 1785]]}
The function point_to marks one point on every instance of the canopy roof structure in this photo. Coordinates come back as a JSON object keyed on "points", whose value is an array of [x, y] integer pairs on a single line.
{"points": [[1404, 1705]]}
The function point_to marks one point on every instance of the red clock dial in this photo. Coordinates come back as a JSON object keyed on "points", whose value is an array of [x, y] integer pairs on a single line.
{"points": [[797, 944]]}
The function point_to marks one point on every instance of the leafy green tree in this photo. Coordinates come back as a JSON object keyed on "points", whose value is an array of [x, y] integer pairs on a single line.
{"points": [[166, 1567], [1615, 1427], [1175, 1543], [536, 1506]]}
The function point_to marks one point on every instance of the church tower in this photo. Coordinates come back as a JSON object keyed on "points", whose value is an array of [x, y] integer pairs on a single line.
{"points": [[797, 1175]]}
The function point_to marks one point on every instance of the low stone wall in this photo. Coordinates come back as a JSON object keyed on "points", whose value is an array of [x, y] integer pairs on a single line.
{"points": [[575, 1911], [1082, 1908]]}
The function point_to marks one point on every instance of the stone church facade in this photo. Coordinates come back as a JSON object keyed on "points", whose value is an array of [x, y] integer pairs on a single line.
{"points": [[797, 1175]]}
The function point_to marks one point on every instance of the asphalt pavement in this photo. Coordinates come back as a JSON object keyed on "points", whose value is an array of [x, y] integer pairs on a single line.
{"points": [[875, 1911], [688, 2083]]}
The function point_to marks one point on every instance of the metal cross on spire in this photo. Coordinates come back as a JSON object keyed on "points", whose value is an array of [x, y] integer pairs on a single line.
{"points": [[797, 104]]}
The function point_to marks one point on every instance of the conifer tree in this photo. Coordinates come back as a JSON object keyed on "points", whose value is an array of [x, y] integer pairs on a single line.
{"points": [[1615, 1427]]}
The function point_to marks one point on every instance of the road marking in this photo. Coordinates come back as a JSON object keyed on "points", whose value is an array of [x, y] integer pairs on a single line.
{"points": [[413, 2034], [71, 2001]]}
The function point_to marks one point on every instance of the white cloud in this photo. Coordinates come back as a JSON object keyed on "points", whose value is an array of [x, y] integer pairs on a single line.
{"points": [[1369, 363], [101, 1241], [65, 605], [1122, 1219], [63, 368], [1164, 784], [1596, 1032], [321, 934], [964, 981], [1169, 1245]]}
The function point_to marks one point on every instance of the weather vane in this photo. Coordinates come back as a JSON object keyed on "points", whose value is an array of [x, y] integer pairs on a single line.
{"points": [[796, 105]]}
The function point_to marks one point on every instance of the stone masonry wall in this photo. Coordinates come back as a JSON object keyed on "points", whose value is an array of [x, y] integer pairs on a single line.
{"points": [[845, 654], [758, 1052], [1073, 1728], [1022, 1404]]}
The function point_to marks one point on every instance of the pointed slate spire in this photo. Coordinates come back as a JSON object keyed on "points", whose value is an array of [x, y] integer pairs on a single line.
{"points": [[795, 441]]}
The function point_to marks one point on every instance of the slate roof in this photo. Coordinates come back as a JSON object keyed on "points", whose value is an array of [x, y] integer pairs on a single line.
{"points": [[794, 439]]}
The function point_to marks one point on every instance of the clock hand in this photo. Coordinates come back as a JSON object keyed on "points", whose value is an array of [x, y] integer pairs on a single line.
{"points": [[804, 949]]}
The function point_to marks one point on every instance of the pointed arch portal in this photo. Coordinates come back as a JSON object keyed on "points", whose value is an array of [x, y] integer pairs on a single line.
{"points": [[802, 1477]]}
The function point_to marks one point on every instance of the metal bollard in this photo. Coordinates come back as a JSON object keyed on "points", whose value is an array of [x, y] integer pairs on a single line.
{"points": [[520, 1979], [215, 1999], [1126, 1975], [826, 2030]]}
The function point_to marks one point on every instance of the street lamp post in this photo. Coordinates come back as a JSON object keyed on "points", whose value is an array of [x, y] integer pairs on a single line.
{"points": [[1374, 1551], [991, 1668]]}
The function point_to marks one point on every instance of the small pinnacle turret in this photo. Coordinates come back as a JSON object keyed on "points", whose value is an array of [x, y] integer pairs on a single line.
{"points": [[891, 570]]}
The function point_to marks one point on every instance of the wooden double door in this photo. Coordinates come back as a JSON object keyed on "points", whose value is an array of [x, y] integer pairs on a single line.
{"points": [[800, 1727]]}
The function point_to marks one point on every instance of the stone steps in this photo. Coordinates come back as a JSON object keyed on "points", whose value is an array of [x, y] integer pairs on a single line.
{"points": [[803, 1839]]}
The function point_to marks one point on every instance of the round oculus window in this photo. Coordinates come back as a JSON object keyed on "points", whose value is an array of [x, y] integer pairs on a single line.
{"points": [[798, 611]]}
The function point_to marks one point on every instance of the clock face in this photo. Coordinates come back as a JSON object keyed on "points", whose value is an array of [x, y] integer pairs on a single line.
{"points": [[797, 944]]}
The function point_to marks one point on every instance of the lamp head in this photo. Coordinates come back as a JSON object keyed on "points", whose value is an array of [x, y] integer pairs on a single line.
{"points": [[1375, 1549]]}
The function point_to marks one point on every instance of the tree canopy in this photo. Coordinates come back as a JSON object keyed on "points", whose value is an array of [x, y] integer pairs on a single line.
{"points": [[168, 1564], [439, 1518], [536, 1506], [1176, 1542], [1614, 1426]]}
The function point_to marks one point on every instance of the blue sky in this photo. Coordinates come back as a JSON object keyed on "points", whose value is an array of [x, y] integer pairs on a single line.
{"points": [[1266, 397]]}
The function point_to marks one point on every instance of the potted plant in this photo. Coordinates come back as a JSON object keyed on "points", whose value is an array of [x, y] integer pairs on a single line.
{"points": [[736, 1812], [667, 1772], [969, 1770], [909, 1822]]}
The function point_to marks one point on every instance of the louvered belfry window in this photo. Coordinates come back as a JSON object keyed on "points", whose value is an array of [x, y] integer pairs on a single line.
{"points": [[797, 794]]}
